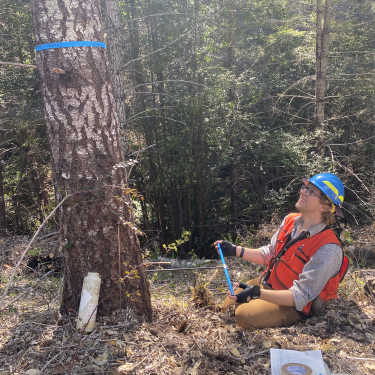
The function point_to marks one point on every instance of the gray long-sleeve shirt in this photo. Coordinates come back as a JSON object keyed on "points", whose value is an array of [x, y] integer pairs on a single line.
{"points": [[323, 265]]}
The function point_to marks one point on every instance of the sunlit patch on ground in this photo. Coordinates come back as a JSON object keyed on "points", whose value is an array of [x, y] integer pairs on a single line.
{"points": [[182, 339]]}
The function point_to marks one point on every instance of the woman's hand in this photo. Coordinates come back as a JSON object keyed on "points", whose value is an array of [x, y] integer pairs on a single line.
{"points": [[228, 249], [234, 298]]}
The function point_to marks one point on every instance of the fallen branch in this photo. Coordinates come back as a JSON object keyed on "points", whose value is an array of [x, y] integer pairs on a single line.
{"points": [[146, 264], [255, 354], [342, 362], [361, 359], [117, 325], [183, 269], [20, 65], [144, 358], [28, 290], [27, 249], [50, 361], [48, 235], [137, 152]]}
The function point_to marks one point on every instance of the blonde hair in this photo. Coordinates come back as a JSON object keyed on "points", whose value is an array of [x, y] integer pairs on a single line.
{"points": [[328, 217]]}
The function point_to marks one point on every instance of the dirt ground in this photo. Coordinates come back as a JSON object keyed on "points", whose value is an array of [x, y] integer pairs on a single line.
{"points": [[182, 338]]}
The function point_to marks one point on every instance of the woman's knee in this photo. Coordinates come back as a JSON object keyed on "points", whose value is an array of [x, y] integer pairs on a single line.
{"points": [[245, 316], [253, 282], [228, 302], [261, 314]]}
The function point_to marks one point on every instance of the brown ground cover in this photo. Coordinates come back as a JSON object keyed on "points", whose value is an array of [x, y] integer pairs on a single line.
{"points": [[182, 338]]}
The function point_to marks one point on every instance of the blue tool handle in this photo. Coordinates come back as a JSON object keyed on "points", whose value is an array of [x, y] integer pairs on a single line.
{"points": [[225, 270]]}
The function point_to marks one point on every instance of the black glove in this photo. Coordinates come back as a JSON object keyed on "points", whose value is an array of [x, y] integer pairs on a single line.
{"points": [[229, 249], [248, 291]]}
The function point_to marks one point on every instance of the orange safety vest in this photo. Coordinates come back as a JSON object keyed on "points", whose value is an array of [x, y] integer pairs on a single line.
{"points": [[287, 265]]}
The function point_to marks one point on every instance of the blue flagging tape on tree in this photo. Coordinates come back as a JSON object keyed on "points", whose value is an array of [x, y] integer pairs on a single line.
{"points": [[83, 43]]}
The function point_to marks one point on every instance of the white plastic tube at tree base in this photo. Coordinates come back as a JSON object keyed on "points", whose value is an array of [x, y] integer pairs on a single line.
{"points": [[89, 301]]}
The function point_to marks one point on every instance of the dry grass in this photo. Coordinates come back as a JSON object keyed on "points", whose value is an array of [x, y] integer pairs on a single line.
{"points": [[182, 339]]}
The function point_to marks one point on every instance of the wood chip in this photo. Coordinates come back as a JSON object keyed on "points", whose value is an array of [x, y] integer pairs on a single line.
{"points": [[267, 344], [123, 369], [121, 344], [32, 371], [235, 352], [178, 371], [215, 317]]}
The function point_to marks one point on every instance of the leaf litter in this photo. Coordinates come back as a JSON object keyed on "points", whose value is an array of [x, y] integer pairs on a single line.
{"points": [[185, 337]]}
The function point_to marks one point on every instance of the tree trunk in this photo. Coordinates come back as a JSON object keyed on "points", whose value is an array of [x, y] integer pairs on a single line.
{"points": [[3, 221], [323, 26], [157, 169], [198, 166], [115, 47], [86, 155], [233, 136]]}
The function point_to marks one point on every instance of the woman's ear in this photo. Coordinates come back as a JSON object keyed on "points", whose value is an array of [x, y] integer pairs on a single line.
{"points": [[325, 208]]}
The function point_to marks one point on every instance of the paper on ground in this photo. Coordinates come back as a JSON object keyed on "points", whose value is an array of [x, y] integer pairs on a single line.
{"points": [[313, 359]]}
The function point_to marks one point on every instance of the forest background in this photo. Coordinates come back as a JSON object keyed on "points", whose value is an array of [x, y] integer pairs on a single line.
{"points": [[220, 96]]}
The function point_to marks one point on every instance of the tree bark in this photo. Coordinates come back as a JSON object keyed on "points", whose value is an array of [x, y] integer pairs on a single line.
{"points": [[323, 26], [115, 47], [233, 136], [151, 129], [86, 155], [198, 166], [3, 221]]}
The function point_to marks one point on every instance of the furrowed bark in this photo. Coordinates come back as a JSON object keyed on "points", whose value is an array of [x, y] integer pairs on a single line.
{"points": [[86, 155]]}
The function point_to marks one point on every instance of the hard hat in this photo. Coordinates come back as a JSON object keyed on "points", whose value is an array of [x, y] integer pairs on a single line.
{"points": [[331, 186]]}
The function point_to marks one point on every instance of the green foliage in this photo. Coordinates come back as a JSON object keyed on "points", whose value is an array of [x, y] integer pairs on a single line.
{"points": [[24, 154], [195, 109], [35, 252], [172, 248], [69, 245], [192, 254], [230, 239]]}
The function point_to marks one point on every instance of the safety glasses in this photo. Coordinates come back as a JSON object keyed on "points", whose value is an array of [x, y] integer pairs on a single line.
{"points": [[309, 191]]}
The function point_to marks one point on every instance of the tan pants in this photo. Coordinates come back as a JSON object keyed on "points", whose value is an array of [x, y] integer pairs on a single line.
{"points": [[262, 314]]}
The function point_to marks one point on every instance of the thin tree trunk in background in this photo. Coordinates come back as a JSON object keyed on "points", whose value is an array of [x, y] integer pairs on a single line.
{"points": [[16, 204], [138, 73], [198, 187], [86, 156], [151, 127], [193, 133], [323, 27], [197, 147], [37, 179], [233, 136], [3, 221], [115, 47]]}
